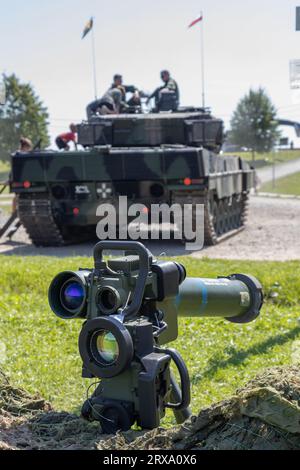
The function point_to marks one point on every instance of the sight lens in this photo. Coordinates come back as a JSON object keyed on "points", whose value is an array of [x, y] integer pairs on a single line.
{"points": [[108, 300], [72, 295], [106, 347]]}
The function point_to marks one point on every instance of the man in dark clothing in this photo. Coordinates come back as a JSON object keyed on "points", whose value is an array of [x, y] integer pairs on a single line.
{"points": [[169, 85]]}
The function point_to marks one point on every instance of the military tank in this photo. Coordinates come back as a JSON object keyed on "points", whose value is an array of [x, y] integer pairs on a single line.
{"points": [[167, 156]]}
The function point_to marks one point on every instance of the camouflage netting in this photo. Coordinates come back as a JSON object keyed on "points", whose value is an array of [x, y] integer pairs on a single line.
{"points": [[265, 414]]}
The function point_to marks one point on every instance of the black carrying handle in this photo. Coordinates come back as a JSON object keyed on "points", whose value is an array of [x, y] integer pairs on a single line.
{"points": [[145, 259], [185, 383]]}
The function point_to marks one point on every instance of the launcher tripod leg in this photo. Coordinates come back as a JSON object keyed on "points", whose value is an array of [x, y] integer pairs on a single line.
{"points": [[184, 414], [14, 229], [8, 224], [3, 186]]}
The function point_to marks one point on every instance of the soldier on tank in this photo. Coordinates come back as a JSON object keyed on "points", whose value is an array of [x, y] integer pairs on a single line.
{"points": [[118, 83], [169, 85], [110, 103]]}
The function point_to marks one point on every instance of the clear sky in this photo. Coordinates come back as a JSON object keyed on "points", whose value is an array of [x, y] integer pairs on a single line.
{"points": [[247, 44]]}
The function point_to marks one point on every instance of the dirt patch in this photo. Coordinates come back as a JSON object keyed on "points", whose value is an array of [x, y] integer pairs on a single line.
{"points": [[265, 414]]}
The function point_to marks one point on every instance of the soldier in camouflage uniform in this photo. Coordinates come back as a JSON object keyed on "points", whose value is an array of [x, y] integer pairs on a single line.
{"points": [[169, 85]]}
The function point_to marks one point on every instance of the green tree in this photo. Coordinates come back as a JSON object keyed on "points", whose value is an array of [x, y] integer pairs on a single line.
{"points": [[22, 115], [253, 124]]}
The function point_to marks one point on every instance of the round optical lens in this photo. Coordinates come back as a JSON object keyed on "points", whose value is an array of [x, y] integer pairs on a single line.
{"points": [[108, 299], [72, 295], [107, 347]]}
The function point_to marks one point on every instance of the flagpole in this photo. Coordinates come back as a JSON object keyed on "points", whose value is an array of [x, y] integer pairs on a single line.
{"points": [[94, 61], [202, 60]]}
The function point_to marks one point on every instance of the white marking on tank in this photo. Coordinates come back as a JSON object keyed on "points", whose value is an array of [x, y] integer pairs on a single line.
{"points": [[104, 191], [82, 190]]}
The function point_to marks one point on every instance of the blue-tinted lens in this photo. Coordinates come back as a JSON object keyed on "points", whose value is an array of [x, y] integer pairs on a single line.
{"points": [[72, 295]]}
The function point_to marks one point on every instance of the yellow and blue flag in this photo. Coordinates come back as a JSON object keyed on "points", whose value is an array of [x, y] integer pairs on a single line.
{"points": [[88, 28]]}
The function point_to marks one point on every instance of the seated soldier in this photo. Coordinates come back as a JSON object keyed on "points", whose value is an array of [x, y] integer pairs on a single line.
{"points": [[62, 141], [169, 86]]}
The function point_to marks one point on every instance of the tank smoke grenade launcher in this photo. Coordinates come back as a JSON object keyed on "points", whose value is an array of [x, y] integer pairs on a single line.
{"points": [[130, 306]]}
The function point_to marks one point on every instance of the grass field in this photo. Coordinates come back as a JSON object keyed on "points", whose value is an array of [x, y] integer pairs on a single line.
{"points": [[286, 185], [280, 157], [4, 170], [42, 354]]}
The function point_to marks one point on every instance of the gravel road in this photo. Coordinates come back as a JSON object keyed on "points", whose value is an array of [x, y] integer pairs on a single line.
{"points": [[272, 233], [265, 174]]}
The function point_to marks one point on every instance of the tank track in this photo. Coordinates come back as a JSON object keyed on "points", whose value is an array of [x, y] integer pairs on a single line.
{"points": [[35, 214], [223, 218]]}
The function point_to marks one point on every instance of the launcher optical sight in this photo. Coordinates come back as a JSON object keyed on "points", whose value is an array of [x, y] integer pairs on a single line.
{"points": [[130, 306]]}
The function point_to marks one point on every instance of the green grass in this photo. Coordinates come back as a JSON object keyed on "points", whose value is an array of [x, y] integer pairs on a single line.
{"points": [[42, 352], [5, 209], [4, 170], [280, 157], [286, 185]]}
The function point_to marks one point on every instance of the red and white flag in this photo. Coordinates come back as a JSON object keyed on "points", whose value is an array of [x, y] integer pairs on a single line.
{"points": [[195, 21]]}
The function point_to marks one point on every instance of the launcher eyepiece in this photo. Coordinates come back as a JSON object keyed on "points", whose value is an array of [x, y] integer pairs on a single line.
{"points": [[130, 306]]}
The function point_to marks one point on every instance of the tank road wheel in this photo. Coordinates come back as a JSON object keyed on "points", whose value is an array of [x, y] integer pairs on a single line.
{"points": [[243, 201], [215, 216], [220, 216], [220, 224], [217, 220], [239, 212], [211, 211], [230, 215], [234, 213], [226, 216], [211, 218], [245, 205]]}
